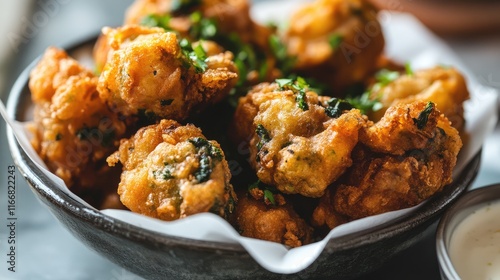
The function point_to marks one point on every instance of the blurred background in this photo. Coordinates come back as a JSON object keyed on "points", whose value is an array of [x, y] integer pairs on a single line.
{"points": [[45, 250]]}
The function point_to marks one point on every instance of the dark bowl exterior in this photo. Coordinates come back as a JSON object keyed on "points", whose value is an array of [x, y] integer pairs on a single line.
{"points": [[158, 256]]}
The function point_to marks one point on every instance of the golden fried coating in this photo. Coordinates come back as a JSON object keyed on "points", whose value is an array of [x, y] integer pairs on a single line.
{"points": [[53, 69], [154, 76], [379, 182], [74, 129], [230, 16], [171, 171], [278, 223], [289, 143], [112, 39], [445, 87], [397, 132], [337, 42]]}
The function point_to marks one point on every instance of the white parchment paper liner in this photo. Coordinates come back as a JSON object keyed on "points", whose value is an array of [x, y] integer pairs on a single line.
{"points": [[406, 41]]}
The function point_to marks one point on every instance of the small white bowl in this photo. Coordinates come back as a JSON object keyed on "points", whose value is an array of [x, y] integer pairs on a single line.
{"points": [[466, 205]]}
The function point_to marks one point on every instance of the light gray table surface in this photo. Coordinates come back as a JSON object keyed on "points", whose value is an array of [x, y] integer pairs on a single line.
{"points": [[46, 250]]}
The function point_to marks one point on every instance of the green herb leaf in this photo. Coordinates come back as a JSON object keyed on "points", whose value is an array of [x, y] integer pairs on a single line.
{"points": [[364, 103], [301, 100], [153, 20], [299, 86], [263, 135], [423, 117], [336, 106], [408, 69], [284, 62], [202, 27], [193, 57], [208, 156], [269, 196], [183, 6], [335, 40], [385, 76]]}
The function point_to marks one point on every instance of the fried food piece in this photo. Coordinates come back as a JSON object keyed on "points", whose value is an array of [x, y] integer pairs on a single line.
{"points": [[230, 16], [74, 130], [227, 22], [53, 70], [112, 39], [272, 222], [403, 128], [153, 75], [172, 171], [381, 182], [445, 87], [338, 42], [292, 136]]}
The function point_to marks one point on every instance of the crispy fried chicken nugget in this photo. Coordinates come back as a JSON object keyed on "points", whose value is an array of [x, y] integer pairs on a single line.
{"points": [[381, 182], [338, 42], [294, 144], [278, 223], [73, 128], [172, 171], [445, 87], [155, 76]]}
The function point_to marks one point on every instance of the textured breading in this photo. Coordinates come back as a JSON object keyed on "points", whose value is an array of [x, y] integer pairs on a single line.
{"points": [[444, 86], [385, 180], [337, 42], [288, 143], [74, 129], [151, 75], [172, 171], [278, 223]]}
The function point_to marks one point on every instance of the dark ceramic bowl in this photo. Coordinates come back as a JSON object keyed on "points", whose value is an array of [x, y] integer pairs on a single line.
{"points": [[160, 256]]}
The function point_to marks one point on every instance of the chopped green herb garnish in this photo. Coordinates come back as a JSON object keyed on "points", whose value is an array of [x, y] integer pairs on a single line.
{"points": [[269, 191], [153, 20], [408, 69], [208, 156], [269, 196], [284, 62], [364, 103], [301, 100], [263, 135], [336, 106], [423, 117], [195, 57], [335, 40], [165, 173], [385, 76], [299, 87], [202, 27], [183, 6]]}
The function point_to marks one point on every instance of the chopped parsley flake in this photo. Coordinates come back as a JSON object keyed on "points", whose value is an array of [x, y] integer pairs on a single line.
{"points": [[298, 86], [153, 20], [336, 106], [208, 156], [183, 6], [263, 135], [335, 40], [423, 117], [195, 57]]}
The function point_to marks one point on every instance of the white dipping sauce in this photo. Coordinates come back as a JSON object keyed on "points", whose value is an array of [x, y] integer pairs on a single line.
{"points": [[475, 244]]}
